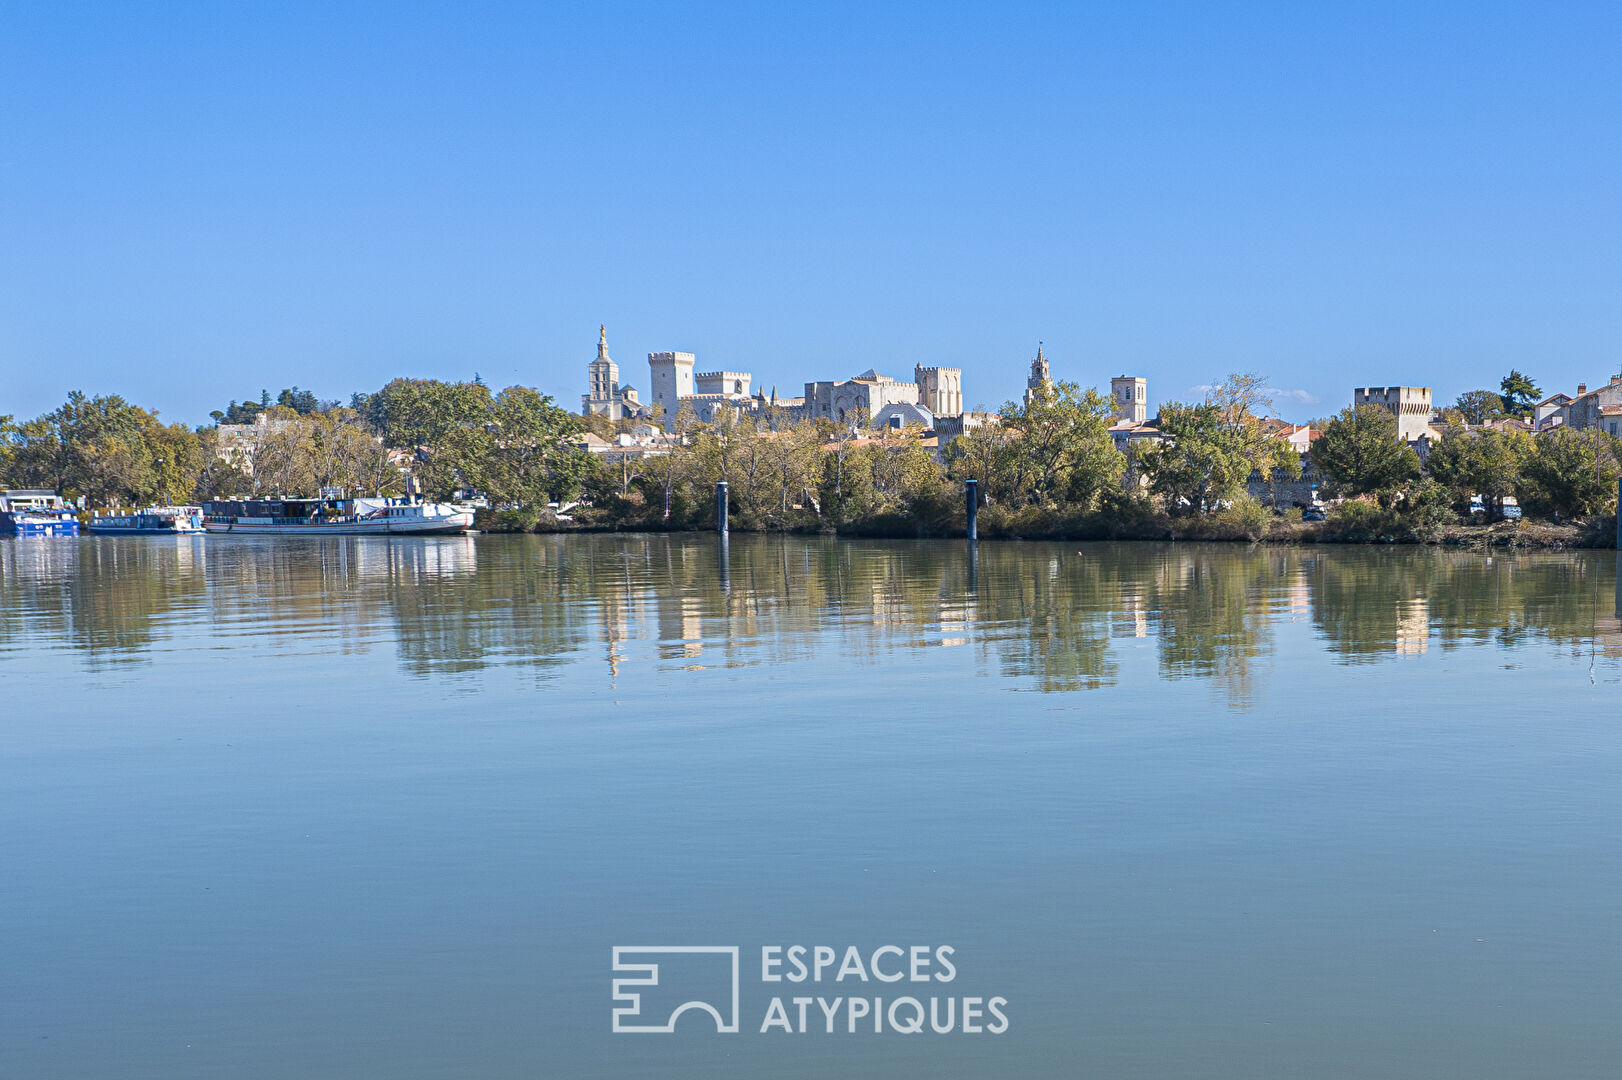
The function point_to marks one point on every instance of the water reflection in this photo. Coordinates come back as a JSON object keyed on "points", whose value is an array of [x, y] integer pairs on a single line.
{"points": [[1054, 617]]}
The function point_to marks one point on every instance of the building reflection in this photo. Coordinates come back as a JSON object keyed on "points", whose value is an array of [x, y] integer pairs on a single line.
{"points": [[1060, 618]]}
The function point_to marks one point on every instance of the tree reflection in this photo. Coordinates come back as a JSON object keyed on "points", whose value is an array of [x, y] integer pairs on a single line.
{"points": [[1056, 617]]}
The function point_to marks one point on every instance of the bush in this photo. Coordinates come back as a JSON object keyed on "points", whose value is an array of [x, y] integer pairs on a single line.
{"points": [[1240, 518], [506, 521], [1358, 521], [1415, 516], [1600, 532], [1423, 511], [1243, 517]]}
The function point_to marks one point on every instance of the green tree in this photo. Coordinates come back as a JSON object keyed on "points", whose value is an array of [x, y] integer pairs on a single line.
{"points": [[1568, 474], [533, 455], [1240, 397], [847, 491], [100, 452], [668, 490], [1359, 451], [337, 450], [178, 459], [219, 477], [1060, 448], [302, 402], [1280, 463], [447, 423], [1485, 463], [421, 412], [1203, 461], [8, 447], [106, 450], [237, 413], [904, 470], [1243, 398], [793, 454], [1519, 394], [985, 454], [1479, 406], [283, 455]]}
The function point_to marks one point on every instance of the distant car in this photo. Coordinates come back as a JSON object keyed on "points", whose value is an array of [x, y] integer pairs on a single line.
{"points": [[1511, 510], [1314, 513]]}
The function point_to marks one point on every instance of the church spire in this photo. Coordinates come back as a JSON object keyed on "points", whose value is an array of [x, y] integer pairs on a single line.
{"points": [[602, 341], [1041, 378]]}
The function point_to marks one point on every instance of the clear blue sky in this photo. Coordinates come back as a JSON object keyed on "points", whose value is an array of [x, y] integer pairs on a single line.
{"points": [[198, 201]]}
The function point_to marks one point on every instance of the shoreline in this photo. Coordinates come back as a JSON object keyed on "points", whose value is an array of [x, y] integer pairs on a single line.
{"points": [[1506, 535]]}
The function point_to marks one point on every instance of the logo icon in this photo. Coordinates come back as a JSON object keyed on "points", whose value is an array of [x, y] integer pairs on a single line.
{"points": [[638, 969]]}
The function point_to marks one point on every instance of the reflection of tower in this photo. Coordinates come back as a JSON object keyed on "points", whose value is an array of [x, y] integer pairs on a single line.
{"points": [[672, 375], [1413, 627], [1041, 379], [613, 614], [1132, 606], [1298, 596], [692, 627], [1131, 395]]}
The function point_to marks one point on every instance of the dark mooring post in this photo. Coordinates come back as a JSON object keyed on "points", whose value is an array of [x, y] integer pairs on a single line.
{"points": [[1619, 515], [971, 505], [721, 507]]}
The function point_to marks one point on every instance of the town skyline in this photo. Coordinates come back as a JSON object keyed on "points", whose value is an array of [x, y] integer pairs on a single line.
{"points": [[1292, 404]]}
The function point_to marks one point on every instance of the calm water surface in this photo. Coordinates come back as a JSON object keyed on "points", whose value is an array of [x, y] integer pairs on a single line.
{"points": [[373, 808]]}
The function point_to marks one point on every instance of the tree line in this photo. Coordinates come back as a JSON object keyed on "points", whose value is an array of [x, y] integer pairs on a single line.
{"points": [[1048, 466], [1051, 467], [516, 445]]}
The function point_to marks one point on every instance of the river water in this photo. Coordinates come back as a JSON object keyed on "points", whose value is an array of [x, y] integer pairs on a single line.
{"points": [[374, 808]]}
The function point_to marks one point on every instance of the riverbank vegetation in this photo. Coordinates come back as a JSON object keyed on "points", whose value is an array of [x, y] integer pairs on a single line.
{"points": [[1047, 468]]}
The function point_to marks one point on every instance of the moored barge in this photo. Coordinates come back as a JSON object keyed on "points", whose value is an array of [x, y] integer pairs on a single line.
{"points": [[153, 521], [334, 517], [34, 512]]}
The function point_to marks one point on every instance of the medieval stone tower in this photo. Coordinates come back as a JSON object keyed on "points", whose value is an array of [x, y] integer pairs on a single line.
{"points": [[1131, 393], [603, 380], [1040, 379], [672, 374], [940, 389]]}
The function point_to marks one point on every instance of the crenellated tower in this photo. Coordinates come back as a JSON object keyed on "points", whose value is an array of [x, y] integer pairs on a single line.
{"points": [[672, 375]]}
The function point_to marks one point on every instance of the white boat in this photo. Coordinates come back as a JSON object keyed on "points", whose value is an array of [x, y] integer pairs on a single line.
{"points": [[334, 517]]}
